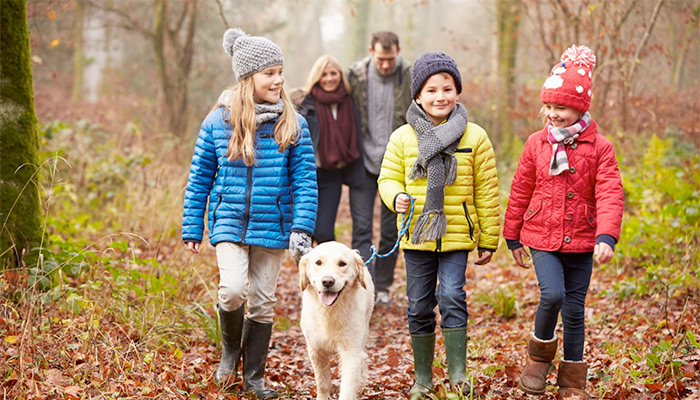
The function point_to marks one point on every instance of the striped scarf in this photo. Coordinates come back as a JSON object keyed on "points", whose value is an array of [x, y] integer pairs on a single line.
{"points": [[559, 137]]}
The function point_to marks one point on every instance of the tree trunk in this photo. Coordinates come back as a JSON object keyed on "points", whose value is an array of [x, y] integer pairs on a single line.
{"points": [[78, 55], [174, 62], [508, 21], [359, 40], [20, 208]]}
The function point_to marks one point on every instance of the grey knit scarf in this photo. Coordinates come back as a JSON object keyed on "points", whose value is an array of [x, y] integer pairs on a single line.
{"points": [[267, 111], [436, 161], [263, 112]]}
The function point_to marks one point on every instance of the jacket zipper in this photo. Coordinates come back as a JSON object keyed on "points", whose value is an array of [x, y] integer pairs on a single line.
{"points": [[469, 221], [438, 244], [246, 212], [213, 220], [279, 208]]}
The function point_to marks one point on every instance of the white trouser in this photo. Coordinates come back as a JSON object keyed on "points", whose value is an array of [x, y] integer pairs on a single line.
{"points": [[248, 273]]}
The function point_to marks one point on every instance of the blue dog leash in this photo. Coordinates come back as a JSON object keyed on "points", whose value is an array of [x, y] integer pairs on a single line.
{"points": [[405, 223]]}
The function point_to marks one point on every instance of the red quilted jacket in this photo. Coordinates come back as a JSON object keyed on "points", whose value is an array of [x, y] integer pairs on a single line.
{"points": [[568, 211]]}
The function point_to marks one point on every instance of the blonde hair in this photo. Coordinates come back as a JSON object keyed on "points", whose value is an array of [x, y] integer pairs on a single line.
{"points": [[317, 71], [242, 110]]}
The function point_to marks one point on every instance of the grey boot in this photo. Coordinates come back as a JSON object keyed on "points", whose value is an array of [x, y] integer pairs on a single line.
{"points": [[231, 323], [423, 351], [256, 341], [456, 351]]}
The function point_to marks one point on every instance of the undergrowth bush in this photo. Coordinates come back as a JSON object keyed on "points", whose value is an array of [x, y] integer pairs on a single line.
{"points": [[662, 216]]}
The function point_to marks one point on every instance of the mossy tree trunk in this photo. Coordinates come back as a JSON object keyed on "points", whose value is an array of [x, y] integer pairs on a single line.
{"points": [[508, 22], [20, 208], [78, 53]]}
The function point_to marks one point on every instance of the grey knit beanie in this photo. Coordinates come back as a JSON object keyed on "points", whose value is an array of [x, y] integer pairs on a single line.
{"points": [[429, 64], [250, 54]]}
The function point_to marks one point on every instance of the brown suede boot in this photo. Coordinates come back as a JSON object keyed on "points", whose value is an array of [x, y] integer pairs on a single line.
{"points": [[540, 356], [572, 380]]}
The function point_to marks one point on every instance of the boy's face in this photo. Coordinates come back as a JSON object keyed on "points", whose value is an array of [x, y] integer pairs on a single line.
{"points": [[560, 116], [268, 84], [438, 96], [385, 60]]}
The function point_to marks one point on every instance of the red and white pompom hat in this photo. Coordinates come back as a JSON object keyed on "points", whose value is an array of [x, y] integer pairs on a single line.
{"points": [[570, 82]]}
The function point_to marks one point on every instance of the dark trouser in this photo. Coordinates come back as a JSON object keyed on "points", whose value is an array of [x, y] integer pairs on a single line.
{"points": [[330, 185], [424, 270], [362, 198], [563, 280]]}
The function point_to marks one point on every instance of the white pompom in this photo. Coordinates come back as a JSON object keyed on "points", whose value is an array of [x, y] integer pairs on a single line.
{"points": [[230, 37], [579, 55]]}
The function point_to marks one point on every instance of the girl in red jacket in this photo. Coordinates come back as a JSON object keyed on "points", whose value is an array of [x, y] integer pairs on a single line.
{"points": [[566, 205]]}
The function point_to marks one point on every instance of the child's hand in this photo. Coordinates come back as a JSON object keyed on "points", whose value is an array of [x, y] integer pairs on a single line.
{"points": [[193, 247], [402, 202], [484, 257], [603, 252], [520, 254]]}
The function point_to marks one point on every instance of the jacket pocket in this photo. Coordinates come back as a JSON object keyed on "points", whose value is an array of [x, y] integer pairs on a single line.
{"points": [[533, 210], [281, 220], [469, 220], [589, 214], [213, 214]]}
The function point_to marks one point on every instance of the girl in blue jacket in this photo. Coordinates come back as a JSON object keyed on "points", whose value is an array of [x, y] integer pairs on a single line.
{"points": [[254, 165]]}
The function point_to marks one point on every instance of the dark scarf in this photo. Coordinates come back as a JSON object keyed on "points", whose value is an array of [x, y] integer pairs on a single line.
{"points": [[436, 161], [337, 145]]}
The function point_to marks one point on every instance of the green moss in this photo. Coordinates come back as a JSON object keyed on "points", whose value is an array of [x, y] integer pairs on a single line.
{"points": [[20, 209]]}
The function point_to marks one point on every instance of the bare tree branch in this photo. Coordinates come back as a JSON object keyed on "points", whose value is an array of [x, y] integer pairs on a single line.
{"points": [[221, 13], [643, 42]]}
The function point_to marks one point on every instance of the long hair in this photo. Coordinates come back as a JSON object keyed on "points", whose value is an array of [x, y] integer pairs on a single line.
{"points": [[242, 115], [317, 70]]}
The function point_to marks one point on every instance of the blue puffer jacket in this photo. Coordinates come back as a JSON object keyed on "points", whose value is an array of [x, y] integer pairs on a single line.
{"points": [[258, 205]]}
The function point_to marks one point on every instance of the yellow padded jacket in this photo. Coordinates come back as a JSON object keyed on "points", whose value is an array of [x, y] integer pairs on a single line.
{"points": [[472, 207]]}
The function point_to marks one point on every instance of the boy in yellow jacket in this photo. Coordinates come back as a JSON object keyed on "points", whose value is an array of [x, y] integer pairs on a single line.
{"points": [[448, 166]]}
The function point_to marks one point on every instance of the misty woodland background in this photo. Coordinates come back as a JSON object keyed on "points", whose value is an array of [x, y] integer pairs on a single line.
{"points": [[117, 308]]}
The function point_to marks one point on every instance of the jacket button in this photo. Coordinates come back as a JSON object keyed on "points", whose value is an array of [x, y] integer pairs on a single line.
{"points": [[572, 170], [590, 218], [529, 211], [569, 217], [570, 195], [574, 145], [567, 239]]}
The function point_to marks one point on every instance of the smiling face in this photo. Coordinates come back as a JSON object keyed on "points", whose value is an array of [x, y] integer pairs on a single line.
{"points": [[268, 84], [330, 78], [560, 116], [328, 269], [438, 96]]}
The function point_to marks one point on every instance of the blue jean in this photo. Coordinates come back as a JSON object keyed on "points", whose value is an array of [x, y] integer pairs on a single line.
{"points": [[434, 278], [563, 279], [362, 199]]}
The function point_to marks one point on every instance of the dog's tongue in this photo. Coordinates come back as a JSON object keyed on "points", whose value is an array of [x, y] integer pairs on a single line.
{"points": [[328, 298]]}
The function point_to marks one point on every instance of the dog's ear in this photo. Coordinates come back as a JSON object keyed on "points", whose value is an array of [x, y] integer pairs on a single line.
{"points": [[303, 278], [360, 267]]}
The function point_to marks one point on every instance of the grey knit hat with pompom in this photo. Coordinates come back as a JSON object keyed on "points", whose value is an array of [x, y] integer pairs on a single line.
{"points": [[250, 54]]}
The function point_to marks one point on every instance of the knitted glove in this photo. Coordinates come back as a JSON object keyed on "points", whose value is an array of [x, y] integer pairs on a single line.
{"points": [[299, 244]]}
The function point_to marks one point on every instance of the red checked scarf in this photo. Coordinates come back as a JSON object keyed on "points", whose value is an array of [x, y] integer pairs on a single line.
{"points": [[337, 145]]}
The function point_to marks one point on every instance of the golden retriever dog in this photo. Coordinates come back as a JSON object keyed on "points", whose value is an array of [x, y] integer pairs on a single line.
{"points": [[337, 303]]}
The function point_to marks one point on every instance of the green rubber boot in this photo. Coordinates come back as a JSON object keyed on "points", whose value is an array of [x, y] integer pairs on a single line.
{"points": [[423, 351], [456, 351]]}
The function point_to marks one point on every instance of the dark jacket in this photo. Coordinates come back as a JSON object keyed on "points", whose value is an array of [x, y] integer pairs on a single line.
{"points": [[353, 172]]}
